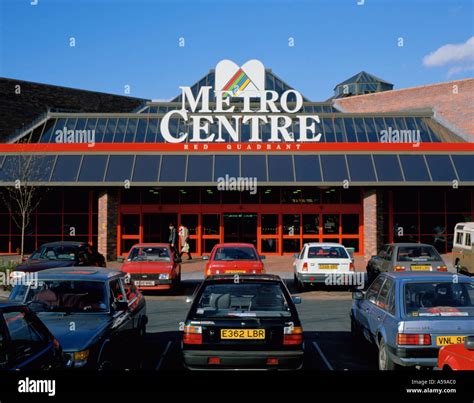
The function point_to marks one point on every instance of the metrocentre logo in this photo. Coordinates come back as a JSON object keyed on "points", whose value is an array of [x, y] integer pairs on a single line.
{"points": [[258, 107]]}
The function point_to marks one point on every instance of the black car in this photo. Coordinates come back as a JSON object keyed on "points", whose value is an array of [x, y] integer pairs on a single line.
{"points": [[61, 254], [95, 313], [25, 342], [243, 322]]}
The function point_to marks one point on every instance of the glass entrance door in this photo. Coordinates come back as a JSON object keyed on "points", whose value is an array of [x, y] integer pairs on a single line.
{"points": [[156, 226], [240, 227]]}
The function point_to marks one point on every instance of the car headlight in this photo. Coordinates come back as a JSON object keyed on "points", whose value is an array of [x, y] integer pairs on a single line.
{"points": [[79, 358], [164, 276]]}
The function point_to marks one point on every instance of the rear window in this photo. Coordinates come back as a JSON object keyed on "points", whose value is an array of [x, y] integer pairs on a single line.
{"points": [[243, 300], [439, 299], [327, 252], [417, 254], [149, 254], [56, 252], [237, 253]]}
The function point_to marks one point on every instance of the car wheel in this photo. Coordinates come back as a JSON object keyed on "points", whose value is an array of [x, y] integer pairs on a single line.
{"points": [[298, 284], [105, 365], [385, 361]]}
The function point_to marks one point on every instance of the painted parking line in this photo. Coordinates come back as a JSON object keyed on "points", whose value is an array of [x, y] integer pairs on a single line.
{"points": [[326, 361], [162, 358]]}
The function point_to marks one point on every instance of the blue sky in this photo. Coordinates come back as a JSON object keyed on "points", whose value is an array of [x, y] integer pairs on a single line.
{"points": [[135, 42]]}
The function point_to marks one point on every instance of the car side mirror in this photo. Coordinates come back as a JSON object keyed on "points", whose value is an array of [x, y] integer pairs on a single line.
{"points": [[120, 259], [358, 295], [189, 299], [296, 300], [121, 305], [262, 257], [469, 343], [205, 257]]}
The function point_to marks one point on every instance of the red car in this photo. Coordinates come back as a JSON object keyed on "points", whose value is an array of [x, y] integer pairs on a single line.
{"points": [[229, 258], [153, 266], [457, 357]]}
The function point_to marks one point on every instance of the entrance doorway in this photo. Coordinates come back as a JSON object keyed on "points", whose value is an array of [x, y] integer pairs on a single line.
{"points": [[156, 226], [240, 227]]}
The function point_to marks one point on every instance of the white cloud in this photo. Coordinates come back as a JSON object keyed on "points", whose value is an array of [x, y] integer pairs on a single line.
{"points": [[459, 56]]}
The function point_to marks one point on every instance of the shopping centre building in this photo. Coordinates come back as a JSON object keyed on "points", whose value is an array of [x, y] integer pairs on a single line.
{"points": [[368, 166]]}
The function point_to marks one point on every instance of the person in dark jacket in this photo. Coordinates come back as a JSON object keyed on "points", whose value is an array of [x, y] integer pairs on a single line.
{"points": [[173, 238]]}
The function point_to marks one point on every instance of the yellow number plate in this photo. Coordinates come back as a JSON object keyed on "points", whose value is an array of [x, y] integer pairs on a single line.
{"points": [[235, 271], [236, 334], [447, 340], [421, 267], [328, 266]]}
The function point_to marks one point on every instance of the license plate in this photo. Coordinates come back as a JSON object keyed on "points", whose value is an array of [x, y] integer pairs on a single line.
{"points": [[421, 267], [235, 271], [328, 266], [144, 283], [447, 340], [237, 334]]}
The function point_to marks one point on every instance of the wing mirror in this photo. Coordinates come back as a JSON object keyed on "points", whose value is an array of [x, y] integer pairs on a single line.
{"points": [[205, 257], [469, 343], [262, 257], [358, 295], [189, 299], [296, 300]]}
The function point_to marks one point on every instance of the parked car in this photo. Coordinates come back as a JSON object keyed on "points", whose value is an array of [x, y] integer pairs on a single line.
{"points": [[457, 357], [60, 254], [153, 266], [93, 312], [405, 257], [25, 342], [409, 316], [463, 248], [243, 322], [240, 258], [318, 261]]}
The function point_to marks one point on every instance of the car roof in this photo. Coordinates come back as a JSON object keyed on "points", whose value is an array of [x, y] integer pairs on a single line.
{"points": [[409, 244], [64, 243], [324, 244], [463, 226], [246, 277], [233, 244], [427, 275], [151, 244], [79, 273]]}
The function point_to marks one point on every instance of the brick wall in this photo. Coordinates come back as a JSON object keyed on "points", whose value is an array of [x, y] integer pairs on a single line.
{"points": [[371, 227], [452, 103], [108, 221]]}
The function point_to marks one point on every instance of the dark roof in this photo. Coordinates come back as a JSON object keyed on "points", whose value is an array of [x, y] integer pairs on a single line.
{"points": [[79, 273], [18, 111], [245, 277], [363, 77], [431, 275], [65, 243]]}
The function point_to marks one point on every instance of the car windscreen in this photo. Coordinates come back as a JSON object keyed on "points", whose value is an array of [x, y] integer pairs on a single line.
{"points": [[149, 254], [64, 296], [56, 252], [417, 254], [243, 300], [235, 253], [439, 299], [327, 252]]}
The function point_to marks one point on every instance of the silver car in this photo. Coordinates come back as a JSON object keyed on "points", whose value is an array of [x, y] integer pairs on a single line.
{"points": [[409, 316], [417, 257]]}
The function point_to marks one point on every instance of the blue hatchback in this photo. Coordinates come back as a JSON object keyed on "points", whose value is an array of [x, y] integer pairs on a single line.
{"points": [[410, 316]]}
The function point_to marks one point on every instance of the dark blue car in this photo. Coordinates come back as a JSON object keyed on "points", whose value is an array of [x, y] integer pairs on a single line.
{"points": [[25, 342], [93, 312]]}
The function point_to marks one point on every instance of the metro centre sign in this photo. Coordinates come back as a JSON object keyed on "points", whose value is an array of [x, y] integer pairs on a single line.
{"points": [[244, 82]]}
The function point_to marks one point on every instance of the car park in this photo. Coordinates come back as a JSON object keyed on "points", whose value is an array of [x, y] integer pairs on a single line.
{"points": [[234, 258], [409, 316], [25, 342], [405, 257], [317, 262], [457, 357], [93, 312], [60, 254], [243, 322], [153, 266], [463, 248]]}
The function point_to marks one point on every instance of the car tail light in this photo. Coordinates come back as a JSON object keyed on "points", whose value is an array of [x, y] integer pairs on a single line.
{"points": [[351, 267], [442, 268], [413, 339], [292, 335], [399, 268], [272, 361], [305, 266], [208, 272], [192, 334], [55, 343], [214, 360]]}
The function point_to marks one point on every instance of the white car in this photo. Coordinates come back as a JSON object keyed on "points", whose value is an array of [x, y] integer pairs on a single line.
{"points": [[322, 263]]}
